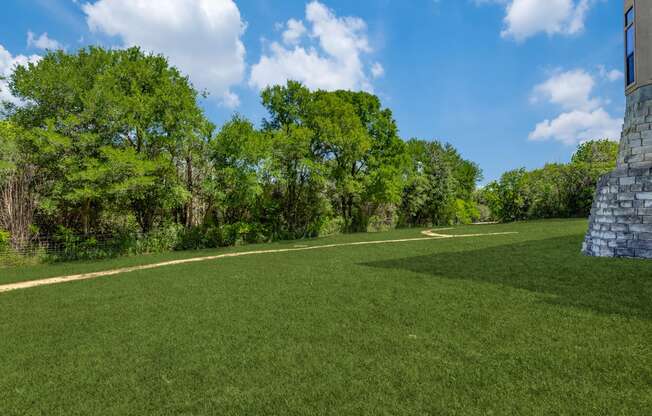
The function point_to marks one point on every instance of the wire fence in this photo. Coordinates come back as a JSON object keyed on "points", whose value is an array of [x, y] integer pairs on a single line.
{"points": [[72, 247]]}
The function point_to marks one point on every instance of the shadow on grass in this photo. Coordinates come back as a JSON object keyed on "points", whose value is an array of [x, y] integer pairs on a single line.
{"points": [[551, 267]]}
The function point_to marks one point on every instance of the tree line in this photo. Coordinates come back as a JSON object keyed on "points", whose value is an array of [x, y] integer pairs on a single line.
{"points": [[555, 191], [114, 143]]}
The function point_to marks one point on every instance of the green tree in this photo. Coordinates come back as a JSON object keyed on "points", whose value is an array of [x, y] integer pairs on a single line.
{"points": [[556, 190], [238, 153], [440, 185], [295, 198], [429, 195], [121, 109], [380, 170], [26, 156], [509, 198], [597, 152], [342, 143]]}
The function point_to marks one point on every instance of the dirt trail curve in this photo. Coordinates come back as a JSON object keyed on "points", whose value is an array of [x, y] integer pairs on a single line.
{"points": [[429, 235]]}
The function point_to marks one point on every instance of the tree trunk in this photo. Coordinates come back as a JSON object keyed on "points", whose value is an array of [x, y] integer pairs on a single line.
{"points": [[190, 208], [17, 206], [86, 213]]}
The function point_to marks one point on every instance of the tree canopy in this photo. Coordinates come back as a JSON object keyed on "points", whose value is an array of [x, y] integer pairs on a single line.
{"points": [[115, 142]]}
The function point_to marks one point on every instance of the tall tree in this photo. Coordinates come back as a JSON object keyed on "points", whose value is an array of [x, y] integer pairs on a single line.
{"points": [[26, 176], [358, 138], [238, 154], [297, 174], [430, 191], [122, 109], [596, 152]]}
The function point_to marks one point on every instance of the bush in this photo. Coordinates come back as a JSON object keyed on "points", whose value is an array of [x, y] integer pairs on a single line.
{"points": [[332, 226], [485, 214], [466, 212], [381, 223], [161, 239], [241, 232], [554, 191], [7, 256], [70, 247], [5, 241], [195, 238]]}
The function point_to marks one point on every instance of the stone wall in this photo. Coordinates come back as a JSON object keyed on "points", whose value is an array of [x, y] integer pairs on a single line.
{"points": [[621, 217]]}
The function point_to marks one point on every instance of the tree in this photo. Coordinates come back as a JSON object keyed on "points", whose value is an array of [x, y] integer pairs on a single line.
{"points": [[342, 143], [430, 190], [556, 190], [296, 177], [383, 165], [238, 153], [18, 198], [508, 198], [24, 176], [467, 174], [440, 184], [597, 152], [356, 140], [121, 109]]}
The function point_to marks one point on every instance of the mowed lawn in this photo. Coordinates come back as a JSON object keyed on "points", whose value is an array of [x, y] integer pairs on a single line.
{"points": [[508, 325]]}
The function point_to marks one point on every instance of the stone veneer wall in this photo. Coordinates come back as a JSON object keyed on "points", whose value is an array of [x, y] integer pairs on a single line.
{"points": [[621, 216]]}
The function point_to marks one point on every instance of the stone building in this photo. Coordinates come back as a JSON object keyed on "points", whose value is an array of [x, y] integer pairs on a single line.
{"points": [[621, 216]]}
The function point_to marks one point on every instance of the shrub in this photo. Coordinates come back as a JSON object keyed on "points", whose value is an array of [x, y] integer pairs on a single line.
{"points": [[485, 214], [5, 241], [70, 246], [242, 232], [466, 212], [195, 238], [380, 223], [161, 239], [332, 226]]}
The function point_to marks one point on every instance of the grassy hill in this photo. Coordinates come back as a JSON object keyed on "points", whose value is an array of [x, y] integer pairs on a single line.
{"points": [[509, 324]]}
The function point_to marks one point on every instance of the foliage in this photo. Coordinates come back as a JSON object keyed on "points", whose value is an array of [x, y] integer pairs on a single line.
{"points": [[554, 191], [596, 152], [332, 226], [114, 143], [5, 240], [466, 212], [295, 201], [438, 178], [125, 116], [233, 187]]}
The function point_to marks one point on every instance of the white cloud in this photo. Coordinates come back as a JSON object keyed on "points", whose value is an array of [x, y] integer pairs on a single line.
{"points": [[8, 64], [42, 42], [571, 90], [200, 37], [584, 117], [612, 75], [333, 58], [230, 100], [577, 126], [295, 30], [526, 18], [377, 70]]}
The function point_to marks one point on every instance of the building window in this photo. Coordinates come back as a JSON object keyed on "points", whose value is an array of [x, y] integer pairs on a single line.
{"points": [[630, 42], [629, 17]]}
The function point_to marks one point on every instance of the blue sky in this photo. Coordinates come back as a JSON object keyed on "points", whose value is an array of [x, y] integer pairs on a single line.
{"points": [[510, 83]]}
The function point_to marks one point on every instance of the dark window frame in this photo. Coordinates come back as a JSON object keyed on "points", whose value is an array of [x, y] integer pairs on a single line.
{"points": [[629, 17], [630, 61]]}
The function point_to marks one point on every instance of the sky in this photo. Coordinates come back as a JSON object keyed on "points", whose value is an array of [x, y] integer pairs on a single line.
{"points": [[510, 83]]}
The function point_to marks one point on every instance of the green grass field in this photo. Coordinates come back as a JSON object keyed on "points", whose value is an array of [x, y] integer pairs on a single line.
{"points": [[508, 325]]}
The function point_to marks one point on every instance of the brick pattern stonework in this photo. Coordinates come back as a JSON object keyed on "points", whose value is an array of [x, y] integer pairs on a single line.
{"points": [[621, 216]]}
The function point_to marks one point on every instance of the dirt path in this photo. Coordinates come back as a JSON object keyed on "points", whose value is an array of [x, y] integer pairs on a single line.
{"points": [[430, 235]]}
